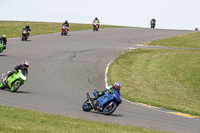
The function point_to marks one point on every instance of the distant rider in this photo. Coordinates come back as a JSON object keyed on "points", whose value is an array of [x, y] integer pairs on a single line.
{"points": [[28, 28], [153, 23], [4, 41], [23, 67], [97, 21], [66, 24]]}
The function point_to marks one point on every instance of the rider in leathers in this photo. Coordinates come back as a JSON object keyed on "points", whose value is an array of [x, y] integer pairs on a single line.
{"points": [[23, 67], [110, 90]]}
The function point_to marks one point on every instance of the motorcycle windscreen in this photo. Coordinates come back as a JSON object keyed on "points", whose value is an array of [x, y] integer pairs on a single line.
{"points": [[117, 92]]}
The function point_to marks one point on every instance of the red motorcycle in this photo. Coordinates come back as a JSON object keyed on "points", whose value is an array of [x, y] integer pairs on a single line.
{"points": [[95, 26], [25, 34], [64, 29]]}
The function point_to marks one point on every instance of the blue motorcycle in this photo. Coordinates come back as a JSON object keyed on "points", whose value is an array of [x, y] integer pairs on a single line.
{"points": [[106, 103]]}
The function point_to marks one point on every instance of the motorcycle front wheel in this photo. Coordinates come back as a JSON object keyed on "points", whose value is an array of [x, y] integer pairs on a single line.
{"points": [[109, 108], [86, 106], [15, 86]]}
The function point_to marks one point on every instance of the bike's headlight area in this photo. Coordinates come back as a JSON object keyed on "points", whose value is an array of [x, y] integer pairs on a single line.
{"points": [[22, 76], [119, 98]]}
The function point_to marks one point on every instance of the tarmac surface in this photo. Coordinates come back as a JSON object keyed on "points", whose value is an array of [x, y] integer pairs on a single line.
{"points": [[63, 68]]}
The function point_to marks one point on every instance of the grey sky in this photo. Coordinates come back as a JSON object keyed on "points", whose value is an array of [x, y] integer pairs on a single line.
{"points": [[170, 14]]}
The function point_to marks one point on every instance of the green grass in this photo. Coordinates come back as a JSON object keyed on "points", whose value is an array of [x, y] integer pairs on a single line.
{"points": [[19, 120], [191, 40], [160, 77], [14, 28]]}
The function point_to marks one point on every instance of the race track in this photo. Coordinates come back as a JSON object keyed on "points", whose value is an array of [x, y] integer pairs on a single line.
{"points": [[63, 68]]}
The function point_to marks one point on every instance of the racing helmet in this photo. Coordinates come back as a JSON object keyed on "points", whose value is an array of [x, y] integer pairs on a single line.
{"points": [[66, 21], [96, 18], [4, 36], [27, 24], [25, 64], [117, 86]]}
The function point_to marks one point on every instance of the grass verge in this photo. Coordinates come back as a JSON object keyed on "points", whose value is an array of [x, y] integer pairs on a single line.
{"points": [[14, 28], [160, 77], [190, 40], [19, 120]]}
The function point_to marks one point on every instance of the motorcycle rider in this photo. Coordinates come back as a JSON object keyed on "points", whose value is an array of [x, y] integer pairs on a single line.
{"points": [[116, 86], [110, 90], [28, 28], [23, 67], [66, 24], [153, 22], [97, 20], [4, 41]]}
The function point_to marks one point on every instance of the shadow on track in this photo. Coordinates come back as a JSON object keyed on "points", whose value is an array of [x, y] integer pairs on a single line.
{"points": [[3, 55], [19, 92], [114, 115]]}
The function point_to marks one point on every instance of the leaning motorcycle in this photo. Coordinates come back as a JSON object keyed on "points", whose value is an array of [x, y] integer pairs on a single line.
{"points": [[64, 30], [106, 103], [14, 81], [95, 26], [25, 34], [1, 46]]}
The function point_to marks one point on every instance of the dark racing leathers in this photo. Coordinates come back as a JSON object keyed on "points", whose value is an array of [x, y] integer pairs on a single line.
{"points": [[153, 23]]}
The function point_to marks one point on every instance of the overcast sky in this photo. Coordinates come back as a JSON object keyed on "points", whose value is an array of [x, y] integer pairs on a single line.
{"points": [[169, 14]]}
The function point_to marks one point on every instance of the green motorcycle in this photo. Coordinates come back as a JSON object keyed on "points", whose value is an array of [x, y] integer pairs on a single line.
{"points": [[1, 46], [14, 81]]}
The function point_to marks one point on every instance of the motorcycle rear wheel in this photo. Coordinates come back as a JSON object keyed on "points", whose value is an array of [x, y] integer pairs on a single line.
{"points": [[86, 106]]}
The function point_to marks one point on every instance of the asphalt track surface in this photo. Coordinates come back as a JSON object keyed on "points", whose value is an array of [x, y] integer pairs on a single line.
{"points": [[63, 68]]}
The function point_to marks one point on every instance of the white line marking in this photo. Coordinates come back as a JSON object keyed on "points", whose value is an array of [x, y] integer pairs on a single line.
{"points": [[106, 72]]}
